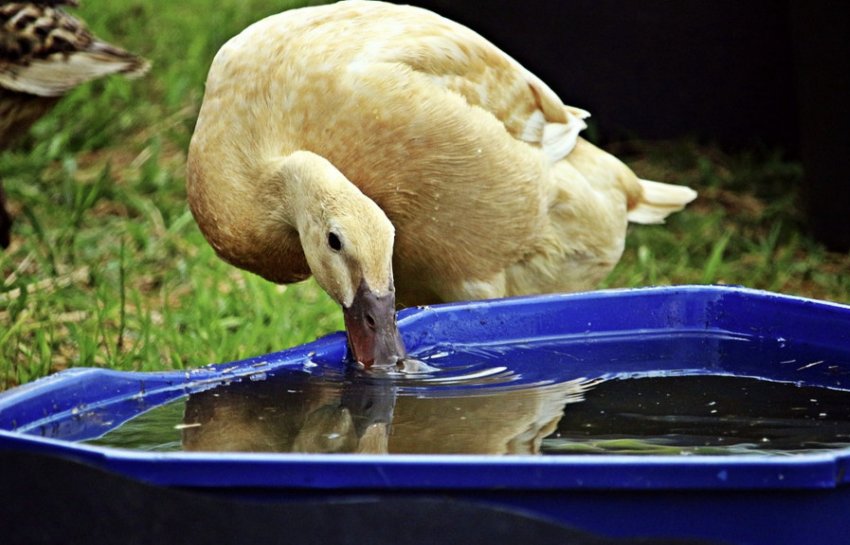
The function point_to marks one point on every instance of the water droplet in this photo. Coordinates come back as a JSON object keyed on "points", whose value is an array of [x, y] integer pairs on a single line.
{"points": [[412, 366]]}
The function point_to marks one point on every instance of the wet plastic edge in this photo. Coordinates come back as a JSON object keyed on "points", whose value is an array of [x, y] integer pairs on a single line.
{"points": [[397, 471]]}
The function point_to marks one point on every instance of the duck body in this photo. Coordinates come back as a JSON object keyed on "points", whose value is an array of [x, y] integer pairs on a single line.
{"points": [[44, 53], [475, 162]]}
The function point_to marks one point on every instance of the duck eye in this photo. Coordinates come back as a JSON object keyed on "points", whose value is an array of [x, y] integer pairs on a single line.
{"points": [[334, 242]]}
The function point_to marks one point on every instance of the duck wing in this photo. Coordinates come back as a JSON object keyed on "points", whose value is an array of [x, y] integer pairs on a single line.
{"points": [[461, 61], [44, 51]]}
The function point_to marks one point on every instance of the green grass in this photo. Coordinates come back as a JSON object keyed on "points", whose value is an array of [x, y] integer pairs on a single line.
{"points": [[109, 269]]}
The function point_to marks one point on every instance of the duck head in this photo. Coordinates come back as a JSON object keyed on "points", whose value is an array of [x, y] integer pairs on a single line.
{"points": [[347, 241], [298, 215]]}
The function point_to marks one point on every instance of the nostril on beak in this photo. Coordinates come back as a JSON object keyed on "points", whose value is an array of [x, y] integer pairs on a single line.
{"points": [[370, 321]]}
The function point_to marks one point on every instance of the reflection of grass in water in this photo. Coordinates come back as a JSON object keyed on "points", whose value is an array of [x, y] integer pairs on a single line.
{"points": [[639, 446], [649, 447], [153, 431]]}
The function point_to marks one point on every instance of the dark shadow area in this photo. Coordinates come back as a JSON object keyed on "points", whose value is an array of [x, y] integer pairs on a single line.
{"points": [[51, 500]]}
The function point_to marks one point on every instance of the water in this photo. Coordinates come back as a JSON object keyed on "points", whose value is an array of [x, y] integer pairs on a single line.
{"points": [[506, 399], [466, 407], [703, 415]]}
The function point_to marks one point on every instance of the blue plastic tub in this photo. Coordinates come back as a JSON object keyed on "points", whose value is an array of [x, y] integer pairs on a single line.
{"points": [[772, 500]]}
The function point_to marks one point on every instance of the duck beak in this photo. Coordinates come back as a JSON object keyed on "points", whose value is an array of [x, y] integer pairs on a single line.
{"points": [[372, 331]]}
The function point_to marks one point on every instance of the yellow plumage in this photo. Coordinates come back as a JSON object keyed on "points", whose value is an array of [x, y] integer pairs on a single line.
{"points": [[415, 140]]}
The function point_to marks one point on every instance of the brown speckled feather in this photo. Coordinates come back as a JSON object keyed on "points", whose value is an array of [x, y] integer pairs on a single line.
{"points": [[44, 53]]}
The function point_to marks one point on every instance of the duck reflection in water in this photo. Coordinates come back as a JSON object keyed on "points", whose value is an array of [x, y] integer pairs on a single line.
{"points": [[372, 414]]}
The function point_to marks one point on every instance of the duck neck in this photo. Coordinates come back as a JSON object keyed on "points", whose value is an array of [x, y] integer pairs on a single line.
{"points": [[321, 202], [314, 185]]}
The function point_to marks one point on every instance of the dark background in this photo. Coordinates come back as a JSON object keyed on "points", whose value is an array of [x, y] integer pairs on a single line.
{"points": [[741, 74]]}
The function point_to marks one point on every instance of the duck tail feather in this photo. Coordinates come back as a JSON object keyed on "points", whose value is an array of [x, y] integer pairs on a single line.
{"points": [[659, 200]]}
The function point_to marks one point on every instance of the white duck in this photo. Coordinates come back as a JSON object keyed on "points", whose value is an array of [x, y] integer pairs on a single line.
{"points": [[364, 142]]}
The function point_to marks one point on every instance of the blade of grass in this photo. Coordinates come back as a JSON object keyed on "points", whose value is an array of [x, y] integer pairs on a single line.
{"points": [[122, 294], [715, 260]]}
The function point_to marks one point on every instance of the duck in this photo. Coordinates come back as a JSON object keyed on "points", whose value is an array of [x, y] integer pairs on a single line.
{"points": [[400, 158], [44, 53]]}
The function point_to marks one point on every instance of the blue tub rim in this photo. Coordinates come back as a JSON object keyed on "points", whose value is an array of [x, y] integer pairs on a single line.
{"points": [[821, 470]]}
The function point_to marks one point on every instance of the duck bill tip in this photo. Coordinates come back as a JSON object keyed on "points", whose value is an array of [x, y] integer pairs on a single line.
{"points": [[373, 334]]}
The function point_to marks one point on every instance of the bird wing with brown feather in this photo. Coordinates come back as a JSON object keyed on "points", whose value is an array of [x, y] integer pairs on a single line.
{"points": [[44, 53]]}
